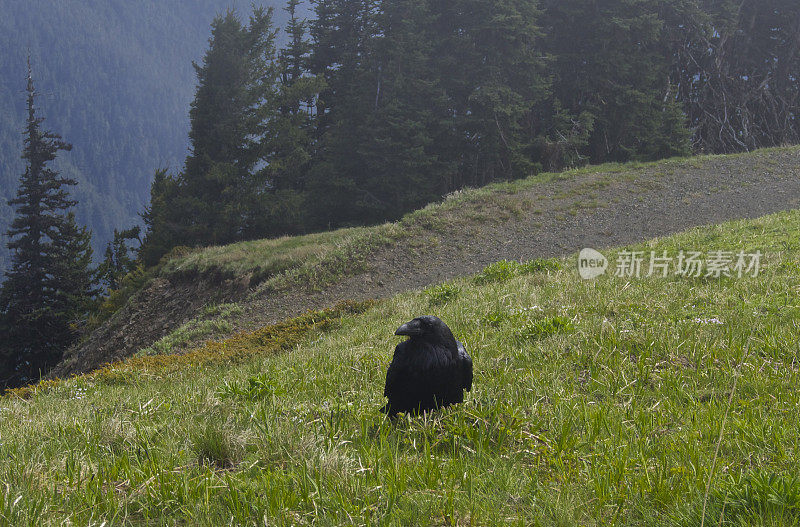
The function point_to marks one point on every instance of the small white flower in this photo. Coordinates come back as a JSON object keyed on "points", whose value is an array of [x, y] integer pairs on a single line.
{"points": [[707, 321]]}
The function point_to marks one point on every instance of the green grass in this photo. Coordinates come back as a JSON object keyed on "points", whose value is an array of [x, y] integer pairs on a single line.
{"points": [[261, 259], [213, 321], [610, 402]]}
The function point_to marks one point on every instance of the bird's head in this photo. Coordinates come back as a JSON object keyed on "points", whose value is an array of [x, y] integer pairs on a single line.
{"points": [[429, 328]]}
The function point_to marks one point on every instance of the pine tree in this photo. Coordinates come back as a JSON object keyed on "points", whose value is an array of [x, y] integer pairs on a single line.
{"points": [[610, 63], [50, 284], [218, 189], [119, 259]]}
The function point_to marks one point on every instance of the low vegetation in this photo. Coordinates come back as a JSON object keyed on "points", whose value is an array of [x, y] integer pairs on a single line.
{"points": [[213, 321], [317, 260], [626, 401], [262, 258]]}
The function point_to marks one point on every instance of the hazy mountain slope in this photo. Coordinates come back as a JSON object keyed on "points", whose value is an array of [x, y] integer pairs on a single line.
{"points": [[116, 81]]}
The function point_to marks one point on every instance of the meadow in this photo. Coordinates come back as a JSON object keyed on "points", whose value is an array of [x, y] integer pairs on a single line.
{"points": [[617, 401]]}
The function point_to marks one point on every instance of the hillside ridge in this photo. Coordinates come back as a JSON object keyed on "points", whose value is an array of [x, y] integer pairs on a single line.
{"points": [[544, 216]]}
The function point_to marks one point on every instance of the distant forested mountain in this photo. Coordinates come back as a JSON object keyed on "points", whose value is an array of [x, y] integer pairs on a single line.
{"points": [[116, 80]]}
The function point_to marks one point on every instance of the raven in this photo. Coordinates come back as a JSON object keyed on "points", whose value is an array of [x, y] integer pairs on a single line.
{"points": [[429, 370]]}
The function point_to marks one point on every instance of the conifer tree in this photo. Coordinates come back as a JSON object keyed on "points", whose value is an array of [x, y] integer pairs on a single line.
{"points": [[406, 149], [235, 81], [119, 258], [610, 62], [421, 98], [492, 65], [344, 35], [165, 227], [288, 142], [50, 284], [294, 58]]}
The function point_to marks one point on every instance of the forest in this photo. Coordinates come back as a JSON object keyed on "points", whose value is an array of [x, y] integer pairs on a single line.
{"points": [[367, 109], [116, 80]]}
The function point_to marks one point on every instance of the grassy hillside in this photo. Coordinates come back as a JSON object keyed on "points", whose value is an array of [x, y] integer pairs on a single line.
{"points": [[629, 402], [317, 259], [316, 262]]}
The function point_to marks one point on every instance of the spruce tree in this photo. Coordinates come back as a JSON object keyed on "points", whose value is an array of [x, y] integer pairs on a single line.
{"points": [[492, 65], [344, 34], [165, 226], [610, 63], [119, 258], [218, 188], [289, 134], [48, 288], [407, 151]]}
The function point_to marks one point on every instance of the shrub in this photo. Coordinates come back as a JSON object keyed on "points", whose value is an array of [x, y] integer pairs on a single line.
{"points": [[540, 265], [257, 388], [505, 270], [501, 271], [442, 294], [544, 327], [216, 445]]}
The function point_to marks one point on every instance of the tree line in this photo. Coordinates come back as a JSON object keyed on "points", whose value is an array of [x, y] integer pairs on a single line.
{"points": [[376, 107]]}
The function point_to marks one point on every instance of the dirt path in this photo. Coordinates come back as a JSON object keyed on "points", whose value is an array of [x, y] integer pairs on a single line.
{"points": [[597, 210], [561, 217]]}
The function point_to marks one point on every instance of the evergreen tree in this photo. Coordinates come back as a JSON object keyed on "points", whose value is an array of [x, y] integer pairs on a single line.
{"points": [[218, 188], [164, 225], [610, 62], [50, 284], [119, 259], [294, 58], [422, 98], [288, 142], [344, 39], [405, 151], [493, 68]]}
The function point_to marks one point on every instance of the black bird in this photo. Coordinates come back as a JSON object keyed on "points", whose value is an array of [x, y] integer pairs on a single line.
{"points": [[429, 370]]}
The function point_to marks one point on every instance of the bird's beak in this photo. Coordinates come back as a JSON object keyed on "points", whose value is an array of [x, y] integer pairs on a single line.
{"points": [[409, 329]]}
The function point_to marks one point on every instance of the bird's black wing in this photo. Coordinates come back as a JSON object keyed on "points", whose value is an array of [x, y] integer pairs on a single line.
{"points": [[394, 374], [465, 361]]}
